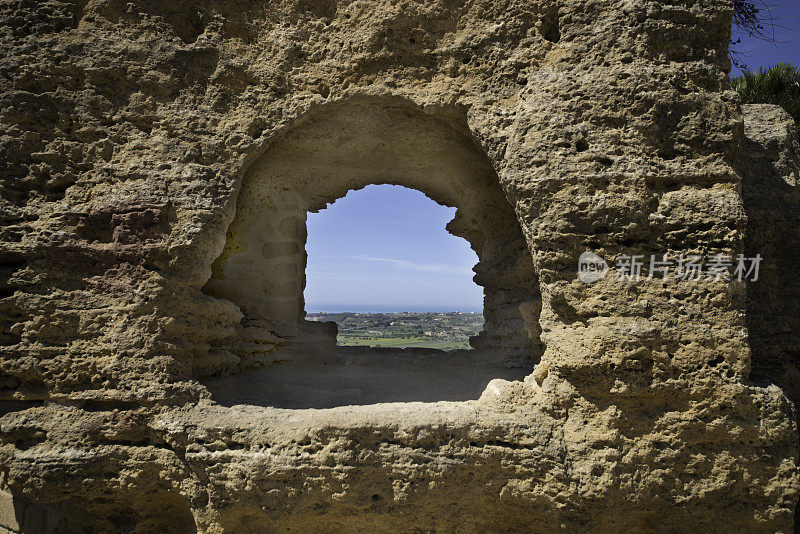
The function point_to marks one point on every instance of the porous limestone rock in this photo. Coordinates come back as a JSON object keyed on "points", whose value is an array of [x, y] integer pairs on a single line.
{"points": [[136, 137], [770, 169]]}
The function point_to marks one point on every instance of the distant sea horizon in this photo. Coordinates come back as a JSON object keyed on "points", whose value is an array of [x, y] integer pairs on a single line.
{"points": [[392, 309]]}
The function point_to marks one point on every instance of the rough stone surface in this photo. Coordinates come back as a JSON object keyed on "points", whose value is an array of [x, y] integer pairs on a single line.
{"points": [[130, 130], [770, 170]]}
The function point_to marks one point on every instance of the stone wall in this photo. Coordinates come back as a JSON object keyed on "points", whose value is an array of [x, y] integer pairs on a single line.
{"points": [[769, 164], [128, 132]]}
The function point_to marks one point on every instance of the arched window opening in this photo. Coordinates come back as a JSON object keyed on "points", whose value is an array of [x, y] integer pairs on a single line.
{"points": [[382, 266], [366, 146]]}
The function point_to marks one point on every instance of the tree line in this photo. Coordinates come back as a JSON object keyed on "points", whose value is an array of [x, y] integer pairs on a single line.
{"points": [[778, 84]]}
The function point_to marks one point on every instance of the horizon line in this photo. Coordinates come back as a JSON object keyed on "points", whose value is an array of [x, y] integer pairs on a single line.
{"points": [[397, 311], [360, 309]]}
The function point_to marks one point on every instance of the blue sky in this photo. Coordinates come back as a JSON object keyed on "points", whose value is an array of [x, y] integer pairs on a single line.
{"points": [[384, 248], [756, 53]]}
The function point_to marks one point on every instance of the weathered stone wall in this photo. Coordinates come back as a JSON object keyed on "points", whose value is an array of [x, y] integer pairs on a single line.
{"points": [[127, 128], [769, 164]]}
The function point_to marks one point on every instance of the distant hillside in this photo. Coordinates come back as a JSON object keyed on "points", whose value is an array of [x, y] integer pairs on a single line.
{"points": [[445, 331]]}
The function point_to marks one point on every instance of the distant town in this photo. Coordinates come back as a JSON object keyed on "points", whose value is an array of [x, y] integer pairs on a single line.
{"points": [[444, 331]]}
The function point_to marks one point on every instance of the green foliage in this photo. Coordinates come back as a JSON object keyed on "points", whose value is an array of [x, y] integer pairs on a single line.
{"points": [[779, 84]]}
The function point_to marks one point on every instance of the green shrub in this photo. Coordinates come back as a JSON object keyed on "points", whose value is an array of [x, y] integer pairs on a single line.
{"points": [[779, 84]]}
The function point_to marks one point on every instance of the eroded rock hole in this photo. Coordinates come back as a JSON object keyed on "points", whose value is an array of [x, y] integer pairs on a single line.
{"points": [[549, 25], [283, 360]]}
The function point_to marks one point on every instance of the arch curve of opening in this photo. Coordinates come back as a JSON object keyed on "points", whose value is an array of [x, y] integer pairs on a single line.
{"points": [[347, 146]]}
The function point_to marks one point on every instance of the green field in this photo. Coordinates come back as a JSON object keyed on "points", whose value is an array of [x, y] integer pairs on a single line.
{"points": [[392, 342], [443, 331]]}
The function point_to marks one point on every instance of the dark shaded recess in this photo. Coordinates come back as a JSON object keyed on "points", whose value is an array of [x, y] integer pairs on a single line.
{"points": [[319, 8], [282, 384], [9, 383], [549, 26], [11, 406], [773, 302], [163, 511], [10, 314], [188, 19]]}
